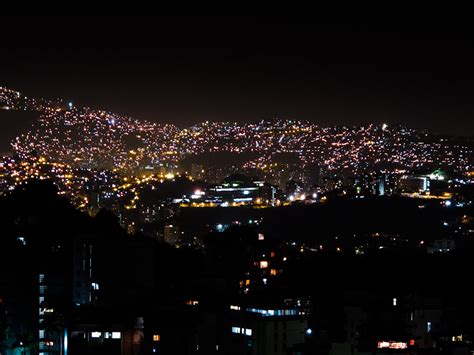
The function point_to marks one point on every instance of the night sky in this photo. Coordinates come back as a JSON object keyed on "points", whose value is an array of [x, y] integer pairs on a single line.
{"points": [[183, 70]]}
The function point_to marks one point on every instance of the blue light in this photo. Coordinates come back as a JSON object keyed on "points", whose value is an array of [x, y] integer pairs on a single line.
{"points": [[448, 203], [65, 342], [309, 331]]}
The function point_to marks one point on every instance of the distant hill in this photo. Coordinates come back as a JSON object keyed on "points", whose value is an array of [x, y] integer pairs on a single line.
{"points": [[96, 138]]}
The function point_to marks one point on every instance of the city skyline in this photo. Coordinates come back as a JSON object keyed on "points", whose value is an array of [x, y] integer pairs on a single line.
{"points": [[236, 185]]}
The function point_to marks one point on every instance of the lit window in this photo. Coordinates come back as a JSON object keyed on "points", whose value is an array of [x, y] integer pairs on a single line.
{"points": [[263, 264], [96, 334], [248, 332], [116, 335], [273, 272], [236, 330], [156, 337], [261, 236], [394, 301]]}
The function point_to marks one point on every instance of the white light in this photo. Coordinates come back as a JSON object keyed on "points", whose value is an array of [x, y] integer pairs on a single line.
{"points": [[448, 203], [384, 126], [236, 330], [309, 331], [246, 192], [96, 334], [116, 335]]}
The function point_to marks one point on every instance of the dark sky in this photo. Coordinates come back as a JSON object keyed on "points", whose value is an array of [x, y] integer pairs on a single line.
{"points": [[186, 69]]}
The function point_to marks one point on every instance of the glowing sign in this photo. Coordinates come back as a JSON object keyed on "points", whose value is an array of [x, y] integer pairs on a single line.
{"points": [[391, 345]]}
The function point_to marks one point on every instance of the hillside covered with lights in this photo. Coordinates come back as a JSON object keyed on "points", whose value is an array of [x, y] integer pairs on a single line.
{"points": [[95, 138]]}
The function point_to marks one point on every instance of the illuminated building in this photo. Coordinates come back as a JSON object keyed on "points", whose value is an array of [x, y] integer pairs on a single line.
{"points": [[197, 171], [106, 335], [414, 184], [240, 190], [442, 246], [270, 331], [84, 288], [52, 334], [171, 234], [434, 185]]}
